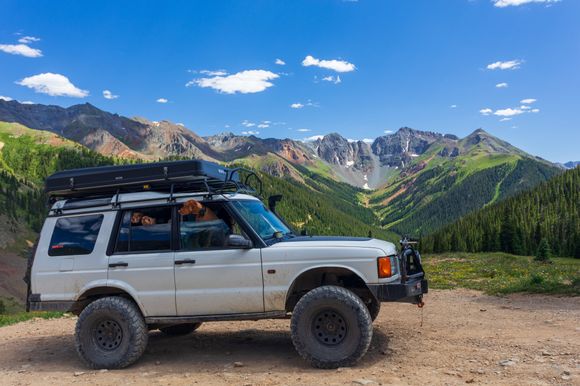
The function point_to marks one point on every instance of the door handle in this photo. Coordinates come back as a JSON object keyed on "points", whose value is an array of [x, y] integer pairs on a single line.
{"points": [[186, 261], [120, 264]]}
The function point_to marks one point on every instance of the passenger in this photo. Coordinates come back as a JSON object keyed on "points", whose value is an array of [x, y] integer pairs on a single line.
{"points": [[136, 218], [147, 220]]}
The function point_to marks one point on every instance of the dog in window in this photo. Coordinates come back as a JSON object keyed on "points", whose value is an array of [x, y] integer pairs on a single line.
{"points": [[196, 208]]}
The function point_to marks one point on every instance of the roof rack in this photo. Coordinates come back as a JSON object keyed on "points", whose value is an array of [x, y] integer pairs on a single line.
{"points": [[97, 184]]}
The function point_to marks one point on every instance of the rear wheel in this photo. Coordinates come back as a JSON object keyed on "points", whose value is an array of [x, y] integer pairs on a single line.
{"points": [[331, 327], [111, 333], [180, 329]]}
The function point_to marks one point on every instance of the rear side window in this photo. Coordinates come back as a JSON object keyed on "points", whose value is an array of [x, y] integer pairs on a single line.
{"points": [[145, 230], [75, 235]]}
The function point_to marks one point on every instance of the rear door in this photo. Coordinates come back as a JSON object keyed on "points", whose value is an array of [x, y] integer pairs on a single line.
{"points": [[142, 259], [212, 278]]}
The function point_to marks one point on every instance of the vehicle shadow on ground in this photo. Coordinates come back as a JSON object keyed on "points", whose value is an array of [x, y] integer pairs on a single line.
{"points": [[202, 351]]}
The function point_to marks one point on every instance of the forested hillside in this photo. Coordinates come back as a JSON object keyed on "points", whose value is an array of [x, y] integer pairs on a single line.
{"points": [[550, 211]]}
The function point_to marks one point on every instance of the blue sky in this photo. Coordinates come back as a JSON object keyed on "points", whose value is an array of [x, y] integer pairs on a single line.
{"points": [[430, 65]]}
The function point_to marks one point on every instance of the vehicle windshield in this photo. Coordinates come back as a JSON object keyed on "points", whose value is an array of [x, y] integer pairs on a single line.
{"points": [[262, 220]]}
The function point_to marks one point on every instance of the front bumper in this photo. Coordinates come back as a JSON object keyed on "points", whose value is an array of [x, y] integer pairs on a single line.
{"points": [[409, 292]]}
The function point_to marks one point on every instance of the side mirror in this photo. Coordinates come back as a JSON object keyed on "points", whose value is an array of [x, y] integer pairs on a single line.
{"points": [[272, 201], [238, 241]]}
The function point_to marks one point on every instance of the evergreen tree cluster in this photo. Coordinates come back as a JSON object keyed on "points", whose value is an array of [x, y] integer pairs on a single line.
{"points": [[550, 212]]}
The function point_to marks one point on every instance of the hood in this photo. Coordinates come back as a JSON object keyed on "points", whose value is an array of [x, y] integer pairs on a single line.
{"points": [[338, 241]]}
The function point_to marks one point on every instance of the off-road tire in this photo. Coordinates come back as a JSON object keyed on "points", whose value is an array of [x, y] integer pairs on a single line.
{"points": [[319, 318], [374, 308], [180, 329], [111, 333]]}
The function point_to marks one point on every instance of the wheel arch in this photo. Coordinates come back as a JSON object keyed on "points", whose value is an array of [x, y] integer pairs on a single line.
{"points": [[100, 290], [314, 277]]}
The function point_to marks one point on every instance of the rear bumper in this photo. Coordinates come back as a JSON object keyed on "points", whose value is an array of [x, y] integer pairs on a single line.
{"points": [[409, 292]]}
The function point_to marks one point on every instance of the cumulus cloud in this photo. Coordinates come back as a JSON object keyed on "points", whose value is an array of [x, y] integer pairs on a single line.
{"points": [[486, 111], [535, 110], [280, 62], [388, 131], [244, 82], [53, 85], [264, 124], [509, 112], [304, 130], [515, 3], [21, 49], [453, 106], [505, 119], [28, 39], [162, 100], [335, 65], [528, 101], [297, 105], [507, 65], [107, 94], [368, 140], [5, 98], [332, 79], [501, 85], [247, 123], [250, 132]]}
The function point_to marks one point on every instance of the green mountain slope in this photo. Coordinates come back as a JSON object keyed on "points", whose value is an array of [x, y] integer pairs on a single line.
{"points": [[517, 225], [436, 189]]}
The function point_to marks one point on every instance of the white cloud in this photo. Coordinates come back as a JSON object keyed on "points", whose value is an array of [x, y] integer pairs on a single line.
{"points": [[303, 130], [509, 112], [247, 123], [280, 62], [335, 65], [264, 124], [453, 106], [214, 72], [250, 132], [28, 103], [5, 98], [515, 3], [486, 111], [388, 131], [332, 79], [21, 49], [28, 39], [162, 100], [313, 138], [525, 107], [53, 85], [507, 65], [505, 119], [368, 140], [535, 110], [107, 94], [501, 85], [299, 105], [296, 105], [245, 82], [528, 101]]}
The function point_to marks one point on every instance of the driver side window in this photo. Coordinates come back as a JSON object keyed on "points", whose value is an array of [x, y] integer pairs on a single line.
{"points": [[205, 226]]}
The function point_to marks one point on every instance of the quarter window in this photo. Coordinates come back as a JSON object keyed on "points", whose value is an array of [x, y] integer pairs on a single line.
{"points": [[75, 235], [143, 230]]}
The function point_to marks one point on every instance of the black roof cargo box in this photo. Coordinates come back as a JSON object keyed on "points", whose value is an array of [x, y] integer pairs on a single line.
{"points": [[171, 176]]}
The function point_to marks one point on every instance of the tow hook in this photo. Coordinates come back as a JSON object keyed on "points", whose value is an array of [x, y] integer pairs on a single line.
{"points": [[420, 302]]}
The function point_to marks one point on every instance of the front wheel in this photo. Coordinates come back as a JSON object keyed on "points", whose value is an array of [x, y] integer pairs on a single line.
{"points": [[331, 327], [111, 333]]}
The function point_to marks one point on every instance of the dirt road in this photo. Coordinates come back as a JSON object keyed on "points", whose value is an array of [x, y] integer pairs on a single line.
{"points": [[466, 337]]}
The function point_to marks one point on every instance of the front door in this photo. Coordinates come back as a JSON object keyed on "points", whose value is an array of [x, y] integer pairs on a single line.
{"points": [[142, 259], [212, 278]]}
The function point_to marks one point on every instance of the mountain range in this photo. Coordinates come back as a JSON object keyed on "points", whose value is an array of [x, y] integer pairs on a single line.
{"points": [[416, 180]]}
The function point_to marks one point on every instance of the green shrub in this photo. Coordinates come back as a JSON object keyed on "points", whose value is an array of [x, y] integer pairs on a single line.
{"points": [[544, 253]]}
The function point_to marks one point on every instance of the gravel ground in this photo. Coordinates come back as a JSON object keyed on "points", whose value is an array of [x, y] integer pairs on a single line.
{"points": [[465, 337]]}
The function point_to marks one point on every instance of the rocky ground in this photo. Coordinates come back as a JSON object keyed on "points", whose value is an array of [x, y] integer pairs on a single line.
{"points": [[465, 337]]}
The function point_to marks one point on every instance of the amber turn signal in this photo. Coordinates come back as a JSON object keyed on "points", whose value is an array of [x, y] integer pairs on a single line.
{"points": [[384, 265]]}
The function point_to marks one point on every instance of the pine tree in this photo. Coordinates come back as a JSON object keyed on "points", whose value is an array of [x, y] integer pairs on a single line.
{"points": [[544, 251]]}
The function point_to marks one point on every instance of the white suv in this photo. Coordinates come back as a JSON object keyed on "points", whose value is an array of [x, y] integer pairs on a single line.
{"points": [[171, 258]]}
